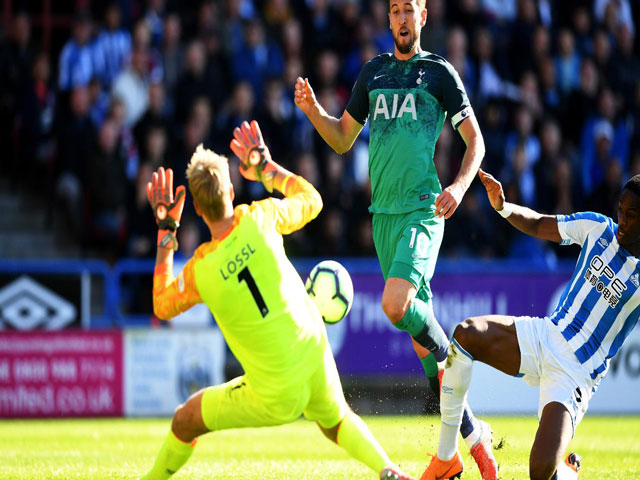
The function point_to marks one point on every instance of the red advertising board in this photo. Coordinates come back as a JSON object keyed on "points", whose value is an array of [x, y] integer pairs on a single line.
{"points": [[61, 374]]}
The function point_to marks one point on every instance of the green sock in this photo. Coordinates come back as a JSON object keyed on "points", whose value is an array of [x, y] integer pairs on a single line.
{"points": [[420, 322], [173, 455], [430, 365], [356, 438]]}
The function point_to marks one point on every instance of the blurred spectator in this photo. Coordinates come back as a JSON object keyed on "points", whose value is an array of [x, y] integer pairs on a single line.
{"points": [[549, 87], [292, 38], [142, 42], [545, 169], [155, 144], [521, 37], [154, 19], [241, 108], [490, 84], [467, 13], [141, 226], [276, 120], [492, 123], [434, 34], [604, 199], [522, 152], [76, 142], [604, 136], [581, 103], [457, 55], [500, 10], [16, 61], [530, 94], [114, 44], [321, 26], [172, 51], [567, 62], [195, 82], [35, 116], [100, 100], [620, 9], [625, 73], [522, 137], [561, 196], [79, 59], [468, 234], [382, 37], [257, 59], [156, 115], [132, 86], [107, 190], [602, 54], [277, 13], [128, 146], [582, 31]]}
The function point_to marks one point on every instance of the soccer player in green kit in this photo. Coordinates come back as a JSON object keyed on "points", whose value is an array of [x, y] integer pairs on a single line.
{"points": [[260, 304], [406, 96]]}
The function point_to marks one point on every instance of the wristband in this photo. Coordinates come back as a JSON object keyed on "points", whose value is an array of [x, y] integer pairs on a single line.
{"points": [[507, 210]]}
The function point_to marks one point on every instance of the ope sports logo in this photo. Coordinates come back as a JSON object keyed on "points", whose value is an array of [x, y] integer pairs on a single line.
{"points": [[611, 293]]}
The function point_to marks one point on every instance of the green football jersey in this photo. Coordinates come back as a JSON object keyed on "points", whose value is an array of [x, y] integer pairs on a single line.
{"points": [[406, 103]]}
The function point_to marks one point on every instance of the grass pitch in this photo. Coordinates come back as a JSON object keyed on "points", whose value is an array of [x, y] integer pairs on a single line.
{"points": [[125, 448]]}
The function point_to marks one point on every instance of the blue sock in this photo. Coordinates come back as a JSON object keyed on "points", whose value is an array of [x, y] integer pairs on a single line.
{"points": [[468, 422], [421, 324]]}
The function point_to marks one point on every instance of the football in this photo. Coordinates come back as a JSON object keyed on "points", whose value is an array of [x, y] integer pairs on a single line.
{"points": [[329, 286]]}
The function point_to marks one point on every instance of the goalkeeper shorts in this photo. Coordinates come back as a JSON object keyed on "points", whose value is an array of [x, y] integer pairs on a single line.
{"points": [[236, 404]]}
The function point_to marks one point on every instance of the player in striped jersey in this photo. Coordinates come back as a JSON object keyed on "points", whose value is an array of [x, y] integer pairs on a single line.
{"points": [[566, 354], [260, 304]]}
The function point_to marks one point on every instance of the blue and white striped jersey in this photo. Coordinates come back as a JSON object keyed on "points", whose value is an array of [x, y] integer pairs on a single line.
{"points": [[601, 304]]}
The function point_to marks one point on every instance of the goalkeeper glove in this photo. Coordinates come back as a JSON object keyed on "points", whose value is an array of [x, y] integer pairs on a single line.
{"points": [[255, 159], [166, 208]]}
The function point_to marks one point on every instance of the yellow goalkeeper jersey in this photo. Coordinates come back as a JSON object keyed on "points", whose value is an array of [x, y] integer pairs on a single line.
{"points": [[253, 291]]}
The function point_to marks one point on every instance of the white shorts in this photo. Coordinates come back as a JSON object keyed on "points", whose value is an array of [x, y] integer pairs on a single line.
{"points": [[547, 361]]}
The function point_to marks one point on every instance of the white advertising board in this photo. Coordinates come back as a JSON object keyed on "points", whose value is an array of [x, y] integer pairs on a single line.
{"points": [[493, 392], [163, 367]]}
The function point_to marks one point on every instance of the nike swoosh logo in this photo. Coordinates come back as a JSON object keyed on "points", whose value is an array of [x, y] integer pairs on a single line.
{"points": [[379, 76]]}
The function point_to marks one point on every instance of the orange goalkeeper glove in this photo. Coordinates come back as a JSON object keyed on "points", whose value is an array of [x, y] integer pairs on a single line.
{"points": [[255, 159], [166, 208]]}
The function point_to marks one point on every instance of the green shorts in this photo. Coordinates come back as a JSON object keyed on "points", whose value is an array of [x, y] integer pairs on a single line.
{"points": [[236, 404], [407, 245]]}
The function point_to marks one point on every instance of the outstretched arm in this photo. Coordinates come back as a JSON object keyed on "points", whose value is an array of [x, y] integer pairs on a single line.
{"points": [[450, 198], [302, 202], [338, 133], [170, 296], [524, 219]]}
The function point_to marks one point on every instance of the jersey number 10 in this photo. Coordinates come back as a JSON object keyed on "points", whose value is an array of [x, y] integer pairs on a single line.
{"points": [[245, 276]]}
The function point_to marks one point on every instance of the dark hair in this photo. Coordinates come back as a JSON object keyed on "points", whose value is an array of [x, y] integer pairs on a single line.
{"points": [[634, 184]]}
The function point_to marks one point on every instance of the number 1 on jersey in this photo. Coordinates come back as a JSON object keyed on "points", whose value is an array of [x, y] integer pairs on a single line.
{"points": [[245, 275]]}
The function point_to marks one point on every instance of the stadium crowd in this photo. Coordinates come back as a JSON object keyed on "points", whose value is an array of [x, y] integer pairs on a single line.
{"points": [[140, 83]]}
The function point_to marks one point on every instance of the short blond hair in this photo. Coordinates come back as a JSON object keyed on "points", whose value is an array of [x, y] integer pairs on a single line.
{"points": [[209, 181]]}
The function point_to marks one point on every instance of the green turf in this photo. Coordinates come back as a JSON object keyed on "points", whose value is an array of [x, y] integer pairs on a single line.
{"points": [[119, 448]]}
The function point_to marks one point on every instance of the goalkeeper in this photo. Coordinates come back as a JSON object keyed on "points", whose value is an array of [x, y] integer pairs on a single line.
{"points": [[244, 277]]}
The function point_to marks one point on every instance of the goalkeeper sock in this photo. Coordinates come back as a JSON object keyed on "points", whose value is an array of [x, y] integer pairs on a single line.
{"points": [[421, 324], [453, 397], [173, 455], [356, 438]]}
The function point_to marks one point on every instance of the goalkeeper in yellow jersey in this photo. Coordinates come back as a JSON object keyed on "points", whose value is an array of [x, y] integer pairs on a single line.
{"points": [[245, 278]]}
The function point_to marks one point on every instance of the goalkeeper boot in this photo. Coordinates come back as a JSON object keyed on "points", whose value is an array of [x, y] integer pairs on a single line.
{"points": [[393, 473], [483, 454], [443, 470]]}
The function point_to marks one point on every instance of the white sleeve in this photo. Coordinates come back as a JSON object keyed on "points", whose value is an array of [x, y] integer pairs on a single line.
{"points": [[575, 228]]}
